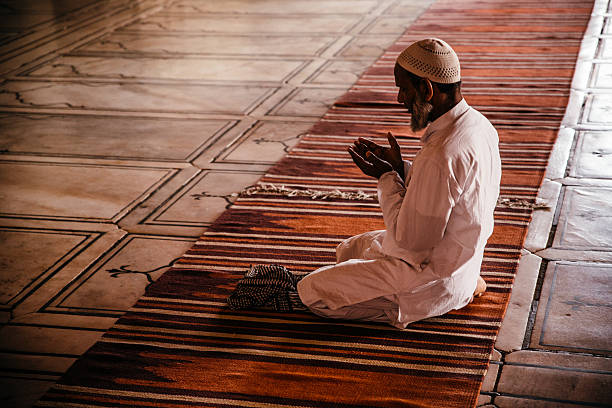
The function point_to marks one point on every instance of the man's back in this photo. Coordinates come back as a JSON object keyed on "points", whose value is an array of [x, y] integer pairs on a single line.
{"points": [[468, 148], [446, 213]]}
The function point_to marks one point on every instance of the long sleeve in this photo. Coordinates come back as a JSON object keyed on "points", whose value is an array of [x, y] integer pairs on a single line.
{"points": [[416, 215], [407, 166]]}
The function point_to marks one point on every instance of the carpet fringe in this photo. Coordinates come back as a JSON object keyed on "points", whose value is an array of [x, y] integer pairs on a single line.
{"points": [[313, 194], [506, 202]]}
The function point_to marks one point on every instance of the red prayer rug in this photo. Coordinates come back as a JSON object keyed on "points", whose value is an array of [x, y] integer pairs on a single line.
{"points": [[180, 345]]}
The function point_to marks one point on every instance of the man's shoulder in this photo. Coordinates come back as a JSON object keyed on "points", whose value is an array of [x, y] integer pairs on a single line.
{"points": [[478, 119], [473, 117], [463, 138], [468, 137], [472, 128]]}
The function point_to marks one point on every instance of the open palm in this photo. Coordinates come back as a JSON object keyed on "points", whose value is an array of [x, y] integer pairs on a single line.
{"points": [[391, 155]]}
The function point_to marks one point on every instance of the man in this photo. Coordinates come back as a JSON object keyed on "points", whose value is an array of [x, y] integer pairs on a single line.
{"points": [[438, 210]]}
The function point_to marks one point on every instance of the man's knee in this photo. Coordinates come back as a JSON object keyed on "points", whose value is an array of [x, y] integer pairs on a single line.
{"points": [[328, 285], [345, 250], [356, 246], [306, 287]]}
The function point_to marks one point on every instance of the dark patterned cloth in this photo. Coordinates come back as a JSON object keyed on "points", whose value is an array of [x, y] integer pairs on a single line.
{"points": [[267, 286]]}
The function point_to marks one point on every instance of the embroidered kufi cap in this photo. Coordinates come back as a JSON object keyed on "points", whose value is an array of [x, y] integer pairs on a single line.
{"points": [[433, 59]]}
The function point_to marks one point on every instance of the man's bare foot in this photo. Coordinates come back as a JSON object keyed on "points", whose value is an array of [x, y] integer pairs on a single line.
{"points": [[481, 286]]}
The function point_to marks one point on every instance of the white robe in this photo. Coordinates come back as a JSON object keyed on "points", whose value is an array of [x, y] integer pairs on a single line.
{"points": [[437, 221]]}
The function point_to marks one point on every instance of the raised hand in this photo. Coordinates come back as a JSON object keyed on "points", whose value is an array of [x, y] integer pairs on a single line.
{"points": [[369, 163], [391, 155]]}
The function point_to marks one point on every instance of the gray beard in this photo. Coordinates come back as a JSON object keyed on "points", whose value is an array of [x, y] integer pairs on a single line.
{"points": [[420, 113]]}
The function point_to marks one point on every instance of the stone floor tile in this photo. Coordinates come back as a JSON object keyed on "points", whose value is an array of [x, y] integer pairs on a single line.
{"points": [[563, 385], [35, 255], [574, 112], [408, 7], [237, 131], [274, 6], [47, 340], [557, 162], [605, 48], [367, 46], [204, 199], [21, 392], [267, 142], [586, 182], [244, 23], [39, 46], [138, 220], [5, 317], [56, 8], [192, 69], [488, 384], [584, 219], [598, 109], [75, 192], [21, 22], [7, 36], [542, 219], [33, 224], [66, 320], [390, 24], [172, 98], [218, 44], [595, 26], [34, 364], [588, 48], [119, 279], [503, 401], [120, 138], [340, 72], [574, 308], [512, 331], [603, 76], [28, 14], [65, 271], [483, 401], [593, 155], [309, 102], [555, 254], [583, 78], [559, 360]]}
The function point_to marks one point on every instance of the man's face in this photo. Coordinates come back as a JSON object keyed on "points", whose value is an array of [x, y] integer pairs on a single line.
{"points": [[406, 93], [413, 100]]}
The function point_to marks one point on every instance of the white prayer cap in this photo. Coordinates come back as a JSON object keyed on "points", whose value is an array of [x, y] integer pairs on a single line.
{"points": [[432, 59]]}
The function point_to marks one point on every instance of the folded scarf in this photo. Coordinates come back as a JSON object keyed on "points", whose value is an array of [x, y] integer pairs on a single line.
{"points": [[269, 287]]}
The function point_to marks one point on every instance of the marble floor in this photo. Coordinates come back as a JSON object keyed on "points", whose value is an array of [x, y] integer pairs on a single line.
{"points": [[127, 127]]}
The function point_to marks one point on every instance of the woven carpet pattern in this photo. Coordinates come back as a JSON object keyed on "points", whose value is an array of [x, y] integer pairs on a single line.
{"points": [[181, 346]]}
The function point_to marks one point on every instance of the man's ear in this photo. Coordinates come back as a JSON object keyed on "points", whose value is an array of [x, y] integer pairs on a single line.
{"points": [[428, 89]]}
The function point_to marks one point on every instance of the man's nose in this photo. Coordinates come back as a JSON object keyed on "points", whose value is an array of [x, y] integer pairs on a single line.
{"points": [[400, 97]]}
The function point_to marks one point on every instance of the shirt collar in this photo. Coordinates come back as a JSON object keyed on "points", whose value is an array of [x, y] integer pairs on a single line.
{"points": [[445, 120]]}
